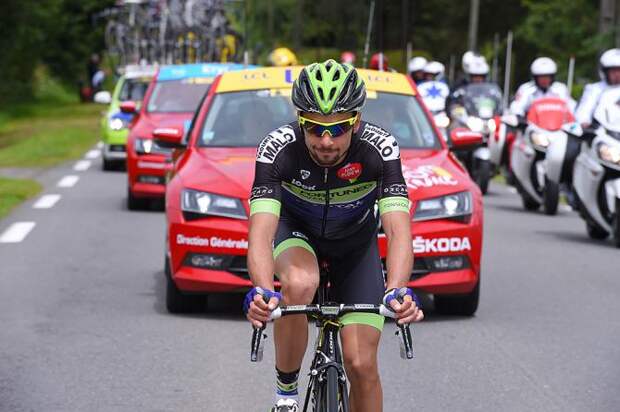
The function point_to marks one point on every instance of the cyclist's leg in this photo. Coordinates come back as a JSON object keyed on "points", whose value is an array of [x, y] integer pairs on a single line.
{"points": [[359, 279], [297, 269]]}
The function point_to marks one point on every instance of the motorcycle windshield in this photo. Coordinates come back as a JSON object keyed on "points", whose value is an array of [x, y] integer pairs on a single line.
{"points": [[482, 100], [607, 112], [550, 113]]}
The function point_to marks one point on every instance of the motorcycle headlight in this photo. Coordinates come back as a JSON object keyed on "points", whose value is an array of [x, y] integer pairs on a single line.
{"points": [[491, 125], [475, 124], [203, 203], [540, 139], [454, 206], [442, 121], [116, 124], [609, 154]]}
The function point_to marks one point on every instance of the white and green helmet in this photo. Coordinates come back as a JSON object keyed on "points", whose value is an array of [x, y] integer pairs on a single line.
{"points": [[329, 87]]}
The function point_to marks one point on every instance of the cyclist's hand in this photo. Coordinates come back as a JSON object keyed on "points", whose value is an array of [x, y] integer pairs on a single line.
{"points": [[405, 304], [258, 305]]}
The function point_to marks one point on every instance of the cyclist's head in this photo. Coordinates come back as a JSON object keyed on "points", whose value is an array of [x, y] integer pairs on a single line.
{"points": [[282, 57], [328, 97]]}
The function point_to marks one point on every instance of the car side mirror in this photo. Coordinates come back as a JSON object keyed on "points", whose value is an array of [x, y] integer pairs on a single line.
{"points": [[463, 138], [103, 97], [128, 107], [169, 137]]}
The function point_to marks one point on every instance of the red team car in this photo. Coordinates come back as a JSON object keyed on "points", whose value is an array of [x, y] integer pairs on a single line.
{"points": [[171, 100], [207, 197]]}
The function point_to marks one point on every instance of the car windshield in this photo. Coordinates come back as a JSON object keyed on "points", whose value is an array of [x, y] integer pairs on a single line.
{"points": [[133, 89], [482, 99], [178, 95], [242, 119]]}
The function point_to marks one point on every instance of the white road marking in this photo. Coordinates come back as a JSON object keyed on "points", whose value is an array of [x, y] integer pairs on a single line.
{"points": [[100, 145], [93, 154], [68, 181], [46, 201], [512, 190], [565, 208], [81, 165], [17, 232]]}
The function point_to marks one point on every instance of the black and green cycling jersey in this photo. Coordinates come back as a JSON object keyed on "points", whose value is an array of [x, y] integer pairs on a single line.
{"points": [[329, 202]]}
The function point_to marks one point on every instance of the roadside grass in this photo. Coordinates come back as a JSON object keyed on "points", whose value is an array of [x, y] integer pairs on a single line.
{"points": [[48, 135], [15, 191]]}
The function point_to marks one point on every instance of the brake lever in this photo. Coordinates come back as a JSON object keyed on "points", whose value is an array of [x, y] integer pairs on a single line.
{"points": [[258, 340], [406, 341]]}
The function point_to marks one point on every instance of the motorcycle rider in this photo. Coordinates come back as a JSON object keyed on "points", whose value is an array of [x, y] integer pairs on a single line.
{"points": [[434, 70], [416, 69], [543, 84], [379, 61], [477, 70], [609, 72]]}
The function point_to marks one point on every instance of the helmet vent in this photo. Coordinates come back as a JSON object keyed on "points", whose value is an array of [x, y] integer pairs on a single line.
{"points": [[319, 76], [336, 76], [332, 93], [321, 95]]}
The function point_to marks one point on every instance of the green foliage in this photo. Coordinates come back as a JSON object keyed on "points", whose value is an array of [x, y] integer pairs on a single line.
{"points": [[15, 191]]}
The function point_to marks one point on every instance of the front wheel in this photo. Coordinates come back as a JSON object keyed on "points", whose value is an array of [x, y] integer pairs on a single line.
{"points": [[595, 232], [616, 225], [551, 197], [332, 390], [461, 305], [483, 175]]}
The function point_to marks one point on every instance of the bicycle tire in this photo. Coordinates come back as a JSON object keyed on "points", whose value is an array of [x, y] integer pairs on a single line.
{"points": [[332, 388]]}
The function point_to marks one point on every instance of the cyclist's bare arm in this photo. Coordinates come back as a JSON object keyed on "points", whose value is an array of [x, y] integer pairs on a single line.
{"points": [[262, 232], [399, 262]]}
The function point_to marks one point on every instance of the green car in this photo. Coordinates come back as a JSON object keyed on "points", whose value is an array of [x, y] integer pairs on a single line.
{"points": [[131, 86]]}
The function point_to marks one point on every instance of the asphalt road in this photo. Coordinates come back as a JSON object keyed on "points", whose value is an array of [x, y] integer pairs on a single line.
{"points": [[83, 325]]}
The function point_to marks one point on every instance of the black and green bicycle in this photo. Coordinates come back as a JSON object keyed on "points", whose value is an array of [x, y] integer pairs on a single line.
{"points": [[327, 389]]}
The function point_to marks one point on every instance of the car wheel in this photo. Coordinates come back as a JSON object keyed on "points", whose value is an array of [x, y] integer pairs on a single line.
{"points": [[177, 301], [529, 203], [135, 203], [596, 232], [107, 165], [462, 305], [484, 175], [551, 197]]}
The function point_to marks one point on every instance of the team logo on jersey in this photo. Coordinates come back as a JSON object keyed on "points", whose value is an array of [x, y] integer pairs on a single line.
{"points": [[304, 174], [273, 144], [381, 140], [350, 172]]}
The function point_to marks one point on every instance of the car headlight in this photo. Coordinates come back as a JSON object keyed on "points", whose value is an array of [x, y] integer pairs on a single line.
{"points": [[609, 154], [194, 201], [475, 124], [116, 123], [143, 146], [442, 121], [540, 139], [454, 206]]}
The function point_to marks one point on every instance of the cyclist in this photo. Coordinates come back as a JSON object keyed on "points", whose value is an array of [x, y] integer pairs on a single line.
{"points": [[313, 199], [282, 56], [609, 72]]}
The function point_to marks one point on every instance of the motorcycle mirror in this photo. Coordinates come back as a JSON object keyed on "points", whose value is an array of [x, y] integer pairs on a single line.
{"points": [[572, 129], [103, 97], [510, 120]]}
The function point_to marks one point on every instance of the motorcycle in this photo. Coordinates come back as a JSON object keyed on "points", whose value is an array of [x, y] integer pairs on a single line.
{"points": [[596, 173], [477, 108], [539, 158]]}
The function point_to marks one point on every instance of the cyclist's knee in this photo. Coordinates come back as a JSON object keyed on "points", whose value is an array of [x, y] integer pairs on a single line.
{"points": [[299, 286], [361, 369]]}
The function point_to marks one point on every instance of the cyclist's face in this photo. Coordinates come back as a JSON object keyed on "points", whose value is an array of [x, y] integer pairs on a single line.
{"points": [[326, 150]]}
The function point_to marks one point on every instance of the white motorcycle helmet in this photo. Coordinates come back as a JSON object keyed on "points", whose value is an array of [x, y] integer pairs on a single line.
{"points": [[435, 68], [609, 59], [478, 67], [543, 66], [416, 64]]}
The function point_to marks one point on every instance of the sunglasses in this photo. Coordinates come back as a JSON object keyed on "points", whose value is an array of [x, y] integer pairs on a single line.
{"points": [[335, 129]]}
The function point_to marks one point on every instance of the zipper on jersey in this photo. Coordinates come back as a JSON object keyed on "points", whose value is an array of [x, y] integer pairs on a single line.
{"points": [[326, 202]]}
